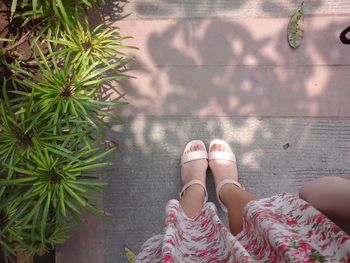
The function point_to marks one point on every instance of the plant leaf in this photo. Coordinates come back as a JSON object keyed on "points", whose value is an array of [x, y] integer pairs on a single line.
{"points": [[296, 28], [13, 8]]}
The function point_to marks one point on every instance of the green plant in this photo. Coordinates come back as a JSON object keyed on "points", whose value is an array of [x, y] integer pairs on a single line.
{"points": [[52, 112], [87, 46], [51, 183], [50, 17], [68, 93], [44, 180], [41, 9]]}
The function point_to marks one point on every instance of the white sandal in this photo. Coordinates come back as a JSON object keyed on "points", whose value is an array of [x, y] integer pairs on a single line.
{"points": [[228, 156], [192, 156]]}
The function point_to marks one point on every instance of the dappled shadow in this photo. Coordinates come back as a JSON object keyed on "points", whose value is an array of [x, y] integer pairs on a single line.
{"points": [[192, 8], [147, 166], [199, 8], [107, 12], [187, 73], [114, 10], [274, 7], [195, 80], [226, 70]]}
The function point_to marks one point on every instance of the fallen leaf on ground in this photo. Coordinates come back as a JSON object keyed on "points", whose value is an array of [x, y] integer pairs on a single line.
{"points": [[296, 28], [286, 146], [130, 255]]}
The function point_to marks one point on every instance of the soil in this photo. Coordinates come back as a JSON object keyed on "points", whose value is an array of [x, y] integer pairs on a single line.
{"points": [[10, 29], [47, 258]]}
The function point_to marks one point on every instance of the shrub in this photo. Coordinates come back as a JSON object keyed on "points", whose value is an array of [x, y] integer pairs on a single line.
{"points": [[51, 114]]}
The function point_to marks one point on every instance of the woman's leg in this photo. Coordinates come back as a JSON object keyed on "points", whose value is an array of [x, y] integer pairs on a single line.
{"points": [[233, 197], [331, 196], [192, 200], [193, 197]]}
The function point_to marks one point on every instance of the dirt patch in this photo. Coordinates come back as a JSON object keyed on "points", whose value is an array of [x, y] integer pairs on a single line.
{"points": [[14, 29]]}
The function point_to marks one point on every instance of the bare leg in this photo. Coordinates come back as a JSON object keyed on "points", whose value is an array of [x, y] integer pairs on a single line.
{"points": [[192, 200], [193, 197], [331, 196], [233, 197]]}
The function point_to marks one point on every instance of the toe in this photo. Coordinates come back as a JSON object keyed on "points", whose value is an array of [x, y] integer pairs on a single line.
{"points": [[196, 147], [200, 147], [216, 147]]}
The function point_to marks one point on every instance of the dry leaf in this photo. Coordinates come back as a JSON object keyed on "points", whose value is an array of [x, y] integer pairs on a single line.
{"points": [[296, 27], [286, 146], [129, 254]]}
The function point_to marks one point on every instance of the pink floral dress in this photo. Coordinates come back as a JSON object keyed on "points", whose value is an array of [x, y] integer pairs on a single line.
{"points": [[282, 228]]}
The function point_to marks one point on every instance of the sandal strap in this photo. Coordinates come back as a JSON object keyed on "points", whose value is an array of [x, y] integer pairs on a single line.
{"points": [[220, 185], [219, 155], [192, 182], [192, 156]]}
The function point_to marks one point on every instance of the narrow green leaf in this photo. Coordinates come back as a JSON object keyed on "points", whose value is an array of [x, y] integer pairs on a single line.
{"points": [[88, 167], [13, 8], [44, 217], [61, 200], [74, 196], [42, 56], [99, 156], [7, 247], [63, 12], [17, 181], [34, 4], [95, 211]]}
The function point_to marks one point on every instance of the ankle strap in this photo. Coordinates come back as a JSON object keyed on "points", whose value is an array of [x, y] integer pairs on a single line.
{"points": [[192, 183], [220, 185]]}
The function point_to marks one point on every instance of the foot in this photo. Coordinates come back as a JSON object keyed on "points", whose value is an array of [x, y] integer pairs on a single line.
{"points": [[194, 170], [223, 169], [193, 197]]}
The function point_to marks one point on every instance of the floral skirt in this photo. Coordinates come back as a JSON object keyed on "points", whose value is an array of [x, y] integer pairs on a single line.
{"points": [[282, 228]]}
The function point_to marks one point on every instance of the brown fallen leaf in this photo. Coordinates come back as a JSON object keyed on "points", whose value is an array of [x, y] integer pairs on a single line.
{"points": [[295, 30], [286, 146]]}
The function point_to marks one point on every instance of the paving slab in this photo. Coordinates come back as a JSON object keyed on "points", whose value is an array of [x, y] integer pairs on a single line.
{"points": [[239, 91], [160, 9], [237, 67], [274, 155], [235, 42]]}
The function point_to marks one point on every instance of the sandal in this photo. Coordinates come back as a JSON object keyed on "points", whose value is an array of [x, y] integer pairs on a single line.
{"points": [[228, 156], [192, 156]]}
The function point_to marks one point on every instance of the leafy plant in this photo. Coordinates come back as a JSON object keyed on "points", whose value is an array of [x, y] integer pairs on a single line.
{"points": [[50, 16], [20, 133], [51, 115], [51, 181], [102, 44], [39, 9], [67, 93]]}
